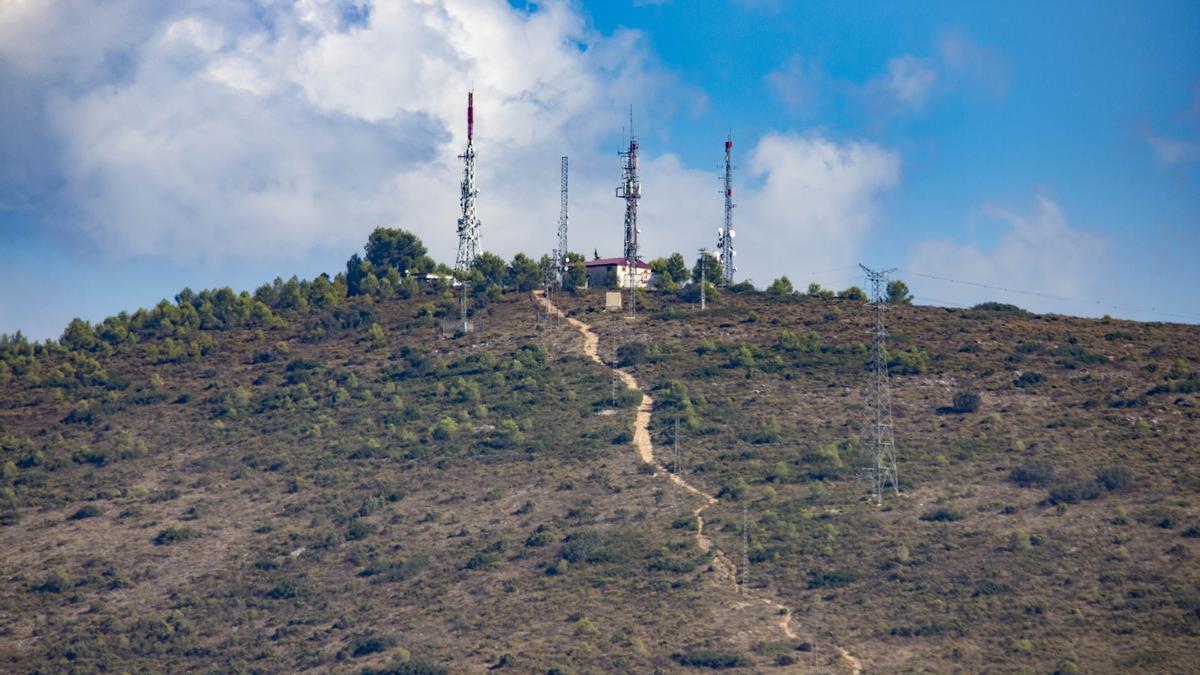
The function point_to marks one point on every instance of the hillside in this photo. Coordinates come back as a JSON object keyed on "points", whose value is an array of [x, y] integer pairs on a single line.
{"points": [[314, 478]]}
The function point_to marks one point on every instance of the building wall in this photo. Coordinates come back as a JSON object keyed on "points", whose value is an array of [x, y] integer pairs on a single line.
{"points": [[598, 274]]}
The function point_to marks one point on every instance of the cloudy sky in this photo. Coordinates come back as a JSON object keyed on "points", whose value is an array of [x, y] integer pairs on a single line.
{"points": [[1046, 148]]}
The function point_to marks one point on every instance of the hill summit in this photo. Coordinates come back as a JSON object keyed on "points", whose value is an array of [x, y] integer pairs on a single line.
{"points": [[319, 476]]}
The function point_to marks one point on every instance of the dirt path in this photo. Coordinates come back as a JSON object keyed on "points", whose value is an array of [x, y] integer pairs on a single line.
{"points": [[722, 564]]}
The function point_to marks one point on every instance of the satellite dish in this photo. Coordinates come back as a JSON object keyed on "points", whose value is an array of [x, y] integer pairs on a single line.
{"points": [[732, 234], [733, 252], [720, 232]]}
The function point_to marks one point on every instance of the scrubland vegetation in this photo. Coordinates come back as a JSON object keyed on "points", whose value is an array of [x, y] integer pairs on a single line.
{"points": [[310, 477]]}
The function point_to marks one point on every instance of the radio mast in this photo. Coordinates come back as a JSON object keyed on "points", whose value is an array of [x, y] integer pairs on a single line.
{"points": [[726, 234], [468, 224]]}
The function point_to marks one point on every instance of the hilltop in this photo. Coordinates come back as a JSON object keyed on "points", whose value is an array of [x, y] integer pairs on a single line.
{"points": [[316, 477]]}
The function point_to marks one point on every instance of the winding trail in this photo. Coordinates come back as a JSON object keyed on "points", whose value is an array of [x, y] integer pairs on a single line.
{"points": [[722, 564]]}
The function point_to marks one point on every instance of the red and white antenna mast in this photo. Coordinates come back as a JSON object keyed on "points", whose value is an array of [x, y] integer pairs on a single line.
{"points": [[725, 234], [468, 224]]}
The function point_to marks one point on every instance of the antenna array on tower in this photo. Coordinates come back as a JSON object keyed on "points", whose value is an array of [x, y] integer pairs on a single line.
{"points": [[468, 224], [560, 254], [630, 190], [726, 233]]}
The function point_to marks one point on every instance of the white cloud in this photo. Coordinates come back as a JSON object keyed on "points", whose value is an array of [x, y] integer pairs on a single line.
{"points": [[817, 204], [226, 135], [799, 83], [1035, 252], [908, 82], [203, 133], [1173, 151]]}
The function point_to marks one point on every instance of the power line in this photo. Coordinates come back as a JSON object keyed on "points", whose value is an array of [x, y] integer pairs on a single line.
{"points": [[1049, 296]]}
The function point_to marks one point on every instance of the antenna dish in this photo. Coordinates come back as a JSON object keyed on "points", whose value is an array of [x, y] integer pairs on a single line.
{"points": [[733, 234]]}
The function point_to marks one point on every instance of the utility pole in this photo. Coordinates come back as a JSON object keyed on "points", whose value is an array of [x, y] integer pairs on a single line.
{"points": [[726, 233], [879, 395], [468, 224]]}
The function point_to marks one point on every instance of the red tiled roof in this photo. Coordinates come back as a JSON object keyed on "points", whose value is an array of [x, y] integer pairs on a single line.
{"points": [[609, 262]]}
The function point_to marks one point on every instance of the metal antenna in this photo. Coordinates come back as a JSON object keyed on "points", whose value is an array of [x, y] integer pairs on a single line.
{"points": [[675, 466], [726, 233], [630, 190], [616, 339], [468, 224], [879, 395], [703, 278], [560, 254], [745, 547]]}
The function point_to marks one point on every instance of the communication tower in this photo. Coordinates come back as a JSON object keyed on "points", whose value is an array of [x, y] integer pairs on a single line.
{"points": [[725, 234], [468, 224], [630, 190], [881, 432], [560, 254]]}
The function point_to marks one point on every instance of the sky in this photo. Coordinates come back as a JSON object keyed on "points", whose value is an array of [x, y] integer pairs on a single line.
{"points": [[1041, 154]]}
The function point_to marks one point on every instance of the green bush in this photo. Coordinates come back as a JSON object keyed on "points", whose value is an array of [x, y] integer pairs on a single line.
{"points": [[1032, 473], [1029, 379], [942, 514], [371, 644], [174, 535], [89, 511], [709, 658], [910, 362], [445, 429], [1114, 478], [966, 402]]}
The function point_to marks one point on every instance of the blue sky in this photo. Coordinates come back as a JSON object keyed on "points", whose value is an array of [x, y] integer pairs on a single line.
{"points": [[1042, 147]]}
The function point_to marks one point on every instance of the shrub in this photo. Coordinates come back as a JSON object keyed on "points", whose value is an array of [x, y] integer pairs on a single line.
{"points": [[1029, 379], [942, 514], [853, 293], [56, 582], [832, 579], [910, 362], [445, 429], [708, 658], [781, 286], [966, 402], [89, 511], [1032, 473], [1114, 478], [371, 644], [174, 535], [631, 354], [408, 667], [999, 308], [1074, 491]]}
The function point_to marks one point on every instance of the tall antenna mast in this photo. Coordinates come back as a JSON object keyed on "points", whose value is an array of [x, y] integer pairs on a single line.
{"points": [[879, 395], [630, 190], [703, 278], [726, 234], [468, 224], [745, 548], [560, 254]]}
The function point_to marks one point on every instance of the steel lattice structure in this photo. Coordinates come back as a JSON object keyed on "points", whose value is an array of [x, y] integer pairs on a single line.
{"points": [[726, 233], [881, 430], [468, 224], [560, 254], [630, 190]]}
